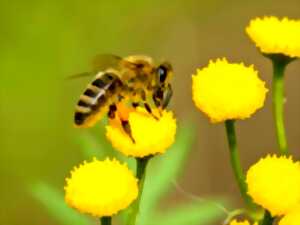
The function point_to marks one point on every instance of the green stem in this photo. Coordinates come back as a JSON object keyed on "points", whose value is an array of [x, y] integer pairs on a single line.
{"points": [[278, 103], [268, 219], [140, 174], [106, 220], [236, 165]]}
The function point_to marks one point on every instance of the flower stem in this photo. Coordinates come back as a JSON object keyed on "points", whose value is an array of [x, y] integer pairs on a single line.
{"points": [[268, 219], [140, 174], [236, 165], [106, 220], [278, 103]]}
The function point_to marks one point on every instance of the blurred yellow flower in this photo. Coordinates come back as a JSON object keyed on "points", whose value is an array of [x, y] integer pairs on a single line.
{"points": [[244, 222], [274, 183], [274, 36], [225, 91], [291, 218], [151, 136], [101, 188], [235, 222]]}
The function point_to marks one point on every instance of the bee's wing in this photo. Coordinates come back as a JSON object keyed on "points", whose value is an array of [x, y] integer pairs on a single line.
{"points": [[79, 75], [105, 61], [102, 62]]}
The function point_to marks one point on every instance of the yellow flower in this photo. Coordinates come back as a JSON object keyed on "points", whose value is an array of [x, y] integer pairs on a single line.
{"points": [[101, 188], [225, 91], [274, 36], [244, 222], [291, 218], [152, 136], [274, 183]]}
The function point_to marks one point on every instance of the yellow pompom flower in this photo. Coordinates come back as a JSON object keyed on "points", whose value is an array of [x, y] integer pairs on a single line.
{"points": [[225, 91], [291, 218], [101, 188], [274, 36], [152, 136], [274, 183], [244, 222]]}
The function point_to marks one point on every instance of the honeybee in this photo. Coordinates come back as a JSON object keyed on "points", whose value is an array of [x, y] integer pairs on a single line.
{"points": [[134, 79]]}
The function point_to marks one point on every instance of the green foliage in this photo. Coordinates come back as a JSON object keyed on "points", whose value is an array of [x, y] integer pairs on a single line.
{"points": [[98, 147], [194, 213], [91, 147], [53, 201], [161, 173], [163, 170]]}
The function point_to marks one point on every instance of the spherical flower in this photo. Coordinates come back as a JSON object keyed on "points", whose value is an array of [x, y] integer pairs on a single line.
{"points": [[151, 135], [274, 183], [276, 36], [101, 188], [291, 218], [225, 91], [244, 222]]}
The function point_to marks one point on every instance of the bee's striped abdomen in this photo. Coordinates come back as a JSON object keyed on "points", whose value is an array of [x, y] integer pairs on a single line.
{"points": [[95, 100]]}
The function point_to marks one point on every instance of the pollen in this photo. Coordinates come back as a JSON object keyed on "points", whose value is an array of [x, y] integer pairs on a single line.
{"points": [[225, 91], [276, 36], [152, 135], [273, 183], [101, 188]]}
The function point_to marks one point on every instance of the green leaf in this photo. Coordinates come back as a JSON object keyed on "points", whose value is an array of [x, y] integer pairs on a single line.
{"points": [[53, 201], [195, 213], [94, 147], [101, 148], [164, 170], [89, 146]]}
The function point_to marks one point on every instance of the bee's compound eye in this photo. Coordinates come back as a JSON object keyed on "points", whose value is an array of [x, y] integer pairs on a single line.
{"points": [[162, 73]]}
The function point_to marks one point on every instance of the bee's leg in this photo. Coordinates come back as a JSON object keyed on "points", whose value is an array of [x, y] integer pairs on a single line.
{"points": [[167, 96], [141, 92], [135, 104], [146, 105], [125, 124], [162, 97], [112, 111], [127, 129], [157, 97], [149, 110]]}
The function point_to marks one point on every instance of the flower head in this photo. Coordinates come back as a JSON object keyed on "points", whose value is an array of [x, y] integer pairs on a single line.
{"points": [[274, 36], [291, 218], [244, 222], [274, 183], [151, 136], [225, 91], [101, 188]]}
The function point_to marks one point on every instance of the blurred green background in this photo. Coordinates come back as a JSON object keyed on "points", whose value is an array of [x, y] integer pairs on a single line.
{"points": [[43, 42]]}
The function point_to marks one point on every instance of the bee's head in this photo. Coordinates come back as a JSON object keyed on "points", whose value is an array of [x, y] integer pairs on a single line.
{"points": [[164, 73]]}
